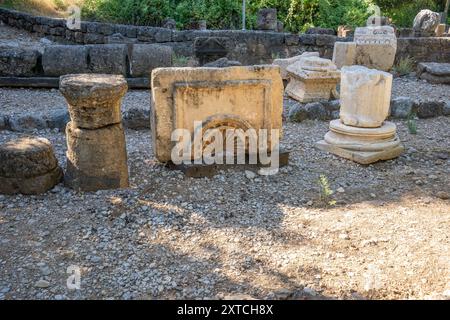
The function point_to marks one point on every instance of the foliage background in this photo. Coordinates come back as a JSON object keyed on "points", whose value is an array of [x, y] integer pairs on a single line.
{"points": [[297, 15]]}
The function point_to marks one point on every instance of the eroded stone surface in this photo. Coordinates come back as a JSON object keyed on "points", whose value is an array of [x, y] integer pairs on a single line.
{"points": [[434, 72], [239, 97], [312, 79], [96, 159], [344, 54], [18, 61], [426, 20], [60, 60], [222, 63], [284, 63], [267, 19], [28, 165], [26, 157], [146, 57], [94, 100], [109, 59], [365, 96], [33, 185], [374, 47]]}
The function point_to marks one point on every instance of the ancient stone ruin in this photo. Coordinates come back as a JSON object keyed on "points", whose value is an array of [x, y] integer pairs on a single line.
{"points": [[96, 155], [267, 19], [373, 47], [362, 134], [240, 97], [28, 165], [312, 79], [426, 22], [284, 63], [434, 72]]}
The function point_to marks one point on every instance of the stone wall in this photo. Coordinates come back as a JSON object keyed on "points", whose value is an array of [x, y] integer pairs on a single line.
{"points": [[247, 47]]}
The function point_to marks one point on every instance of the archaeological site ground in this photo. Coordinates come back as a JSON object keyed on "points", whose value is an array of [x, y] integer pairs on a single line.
{"points": [[173, 155]]}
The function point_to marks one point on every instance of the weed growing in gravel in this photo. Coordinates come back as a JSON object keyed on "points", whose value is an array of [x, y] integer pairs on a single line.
{"points": [[404, 66], [276, 55], [325, 191], [180, 61], [412, 123]]}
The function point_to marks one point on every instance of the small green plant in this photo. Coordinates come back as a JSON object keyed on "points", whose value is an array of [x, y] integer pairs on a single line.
{"points": [[275, 55], [325, 191], [404, 66], [412, 123], [180, 61]]}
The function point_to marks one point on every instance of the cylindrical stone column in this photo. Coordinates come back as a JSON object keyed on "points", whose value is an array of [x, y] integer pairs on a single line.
{"points": [[365, 96], [96, 155]]}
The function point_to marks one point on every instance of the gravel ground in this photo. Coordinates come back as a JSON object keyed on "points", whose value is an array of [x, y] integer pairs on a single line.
{"points": [[418, 89], [169, 236]]}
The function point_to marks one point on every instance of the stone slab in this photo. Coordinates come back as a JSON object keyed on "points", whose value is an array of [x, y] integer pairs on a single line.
{"points": [[243, 97]]}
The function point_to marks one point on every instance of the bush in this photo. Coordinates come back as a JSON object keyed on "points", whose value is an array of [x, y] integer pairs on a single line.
{"points": [[297, 15], [138, 12], [403, 12], [404, 66]]}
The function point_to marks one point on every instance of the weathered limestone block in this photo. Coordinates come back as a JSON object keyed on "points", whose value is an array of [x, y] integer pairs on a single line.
{"points": [[59, 60], [267, 19], [365, 96], [375, 56], [109, 59], [18, 62], [239, 97], [312, 79], [146, 57], [344, 54], [284, 63], [93, 99], [28, 165], [434, 72], [376, 47], [426, 20], [96, 159]]}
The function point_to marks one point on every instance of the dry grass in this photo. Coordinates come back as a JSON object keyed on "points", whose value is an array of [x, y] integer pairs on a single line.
{"points": [[51, 8]]}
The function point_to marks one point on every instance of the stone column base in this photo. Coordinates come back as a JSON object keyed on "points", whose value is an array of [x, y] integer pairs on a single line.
{"points": [[362, 145]]}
